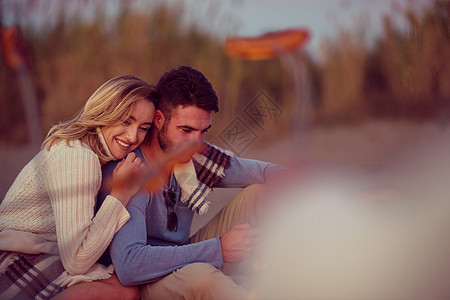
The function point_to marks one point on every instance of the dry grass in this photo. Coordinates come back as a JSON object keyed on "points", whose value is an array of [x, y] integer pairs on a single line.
{"points": [[405, 75]]}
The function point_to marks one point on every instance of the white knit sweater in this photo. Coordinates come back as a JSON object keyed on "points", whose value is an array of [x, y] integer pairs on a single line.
{"points": [[54, 197]]}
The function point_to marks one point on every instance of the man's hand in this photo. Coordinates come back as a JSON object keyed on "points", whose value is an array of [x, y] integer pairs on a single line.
{"points": [[237, 242]]}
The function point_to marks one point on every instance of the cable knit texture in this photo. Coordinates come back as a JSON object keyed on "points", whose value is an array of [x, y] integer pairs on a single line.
{"points": [[54, 196]]}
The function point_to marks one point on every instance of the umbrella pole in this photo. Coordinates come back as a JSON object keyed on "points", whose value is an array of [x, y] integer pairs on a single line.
{"points": [[301, 108]]}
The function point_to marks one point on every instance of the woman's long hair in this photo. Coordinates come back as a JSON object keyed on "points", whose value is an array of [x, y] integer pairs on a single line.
{"points": [[111, 104]]}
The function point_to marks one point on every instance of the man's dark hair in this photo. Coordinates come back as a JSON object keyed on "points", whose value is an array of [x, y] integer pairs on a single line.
{"points": [[186, 86]]}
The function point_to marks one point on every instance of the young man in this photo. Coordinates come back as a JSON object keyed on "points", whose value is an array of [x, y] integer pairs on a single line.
{"points": [[153, 249]]}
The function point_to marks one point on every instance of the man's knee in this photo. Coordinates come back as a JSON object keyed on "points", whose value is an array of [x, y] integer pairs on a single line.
{"points": [[250, 199], [252, 193]]}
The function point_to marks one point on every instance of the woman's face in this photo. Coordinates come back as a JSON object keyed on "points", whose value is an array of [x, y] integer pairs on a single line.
{"points": [[124, 138]]}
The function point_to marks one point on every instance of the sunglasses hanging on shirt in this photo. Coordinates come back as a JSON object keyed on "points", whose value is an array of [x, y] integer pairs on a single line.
{"points": [[172, 218]]}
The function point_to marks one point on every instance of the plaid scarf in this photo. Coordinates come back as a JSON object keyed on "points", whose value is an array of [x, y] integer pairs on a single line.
{"points": [[30, 276], [197, 178]]}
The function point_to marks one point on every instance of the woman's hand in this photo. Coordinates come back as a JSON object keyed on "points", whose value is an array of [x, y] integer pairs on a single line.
{"points": [[124, 183]]}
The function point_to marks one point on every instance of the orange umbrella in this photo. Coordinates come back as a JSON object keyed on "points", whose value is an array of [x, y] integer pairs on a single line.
{"points": [[266, 46], [280, 44]]}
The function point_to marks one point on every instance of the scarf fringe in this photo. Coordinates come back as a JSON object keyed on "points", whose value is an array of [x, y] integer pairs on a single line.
{"points": [[210, 167], [7, 259]]}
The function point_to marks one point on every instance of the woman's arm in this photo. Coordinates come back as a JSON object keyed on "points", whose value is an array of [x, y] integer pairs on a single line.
{"points": [[72, 181]]}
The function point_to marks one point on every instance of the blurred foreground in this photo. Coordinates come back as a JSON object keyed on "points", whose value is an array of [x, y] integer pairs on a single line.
{"points": [[344, 233]]}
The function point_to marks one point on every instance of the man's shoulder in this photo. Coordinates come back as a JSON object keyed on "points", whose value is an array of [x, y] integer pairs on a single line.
{"points": [[211, 148]]}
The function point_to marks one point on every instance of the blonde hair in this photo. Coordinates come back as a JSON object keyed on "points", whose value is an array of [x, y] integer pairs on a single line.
{"points": [[111, 104]]}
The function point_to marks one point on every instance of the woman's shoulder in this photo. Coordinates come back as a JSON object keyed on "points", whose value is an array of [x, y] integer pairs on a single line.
{"points": [[64, 148], [69, 157]]}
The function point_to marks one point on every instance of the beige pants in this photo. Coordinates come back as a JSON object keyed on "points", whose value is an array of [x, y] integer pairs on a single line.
{"points": [[202, 280]]}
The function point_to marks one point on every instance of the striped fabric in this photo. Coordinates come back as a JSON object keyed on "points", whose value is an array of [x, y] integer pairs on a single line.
{"points": [[28, 276], [209, 167]]}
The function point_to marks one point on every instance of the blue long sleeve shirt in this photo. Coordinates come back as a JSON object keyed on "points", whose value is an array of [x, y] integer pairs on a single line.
{"points": [[144, 250]]}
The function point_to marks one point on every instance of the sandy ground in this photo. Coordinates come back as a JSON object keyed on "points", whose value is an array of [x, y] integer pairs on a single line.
{"points": [[371, 144]]}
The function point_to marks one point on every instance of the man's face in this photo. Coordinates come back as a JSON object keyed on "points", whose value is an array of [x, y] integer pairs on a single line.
{"points": [[188, 124]]}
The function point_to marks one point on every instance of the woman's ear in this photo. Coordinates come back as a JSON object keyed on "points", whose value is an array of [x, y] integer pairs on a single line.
{"points": [[158, 119]]}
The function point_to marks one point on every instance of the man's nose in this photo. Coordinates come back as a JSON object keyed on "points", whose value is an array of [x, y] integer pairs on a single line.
{"points": [[198, 137]]}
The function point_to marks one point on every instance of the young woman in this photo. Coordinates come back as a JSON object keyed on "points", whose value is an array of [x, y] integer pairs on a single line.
{"points": [[49, 235]]}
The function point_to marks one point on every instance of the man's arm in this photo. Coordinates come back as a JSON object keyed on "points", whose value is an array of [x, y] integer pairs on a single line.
{"points": [[138, 263], [244, 172]]}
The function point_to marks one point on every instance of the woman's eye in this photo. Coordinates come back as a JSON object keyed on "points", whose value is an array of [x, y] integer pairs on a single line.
{"points": [[145, 128], [126, 122]]}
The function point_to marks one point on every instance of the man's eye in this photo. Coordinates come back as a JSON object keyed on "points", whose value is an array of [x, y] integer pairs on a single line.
{"points": [[186, 130]]}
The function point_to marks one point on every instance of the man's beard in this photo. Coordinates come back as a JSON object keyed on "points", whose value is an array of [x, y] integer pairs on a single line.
{"points": [[164, 142], [166, 145]]}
